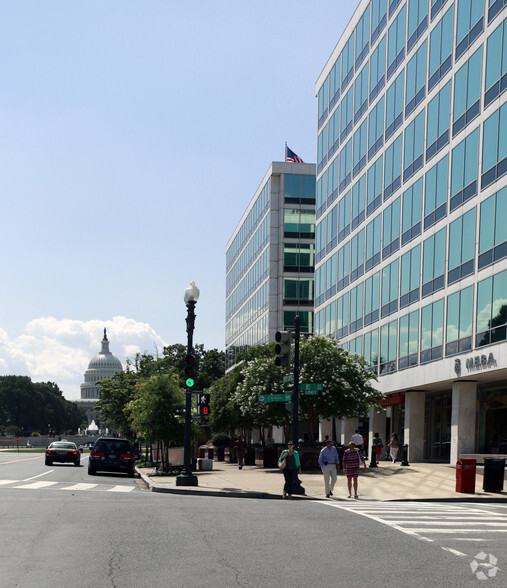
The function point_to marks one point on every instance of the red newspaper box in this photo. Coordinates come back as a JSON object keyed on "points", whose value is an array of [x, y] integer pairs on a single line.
{"points": [[465, 475]]}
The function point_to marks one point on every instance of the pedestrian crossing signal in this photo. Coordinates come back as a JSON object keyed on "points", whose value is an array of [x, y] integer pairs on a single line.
{"points": [[203, 401]]}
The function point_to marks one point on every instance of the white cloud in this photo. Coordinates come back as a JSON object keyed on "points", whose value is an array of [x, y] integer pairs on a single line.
{"points": [[60, 350]]}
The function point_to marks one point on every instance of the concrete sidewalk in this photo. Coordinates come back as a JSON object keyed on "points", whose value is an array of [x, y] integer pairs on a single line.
{"points": [[388, 482]]}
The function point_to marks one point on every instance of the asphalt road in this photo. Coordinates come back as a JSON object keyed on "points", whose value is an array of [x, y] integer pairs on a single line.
{"points": [[107, 531]]}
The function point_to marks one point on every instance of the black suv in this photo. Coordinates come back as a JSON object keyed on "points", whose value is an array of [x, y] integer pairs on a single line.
{"points": [[111, 454]]}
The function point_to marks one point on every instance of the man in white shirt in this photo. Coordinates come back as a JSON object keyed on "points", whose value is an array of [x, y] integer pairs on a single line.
{"points": [[357, 438]]}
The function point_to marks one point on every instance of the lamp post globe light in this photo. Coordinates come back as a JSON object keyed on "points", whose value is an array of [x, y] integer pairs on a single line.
{"points": [[186, 478]]}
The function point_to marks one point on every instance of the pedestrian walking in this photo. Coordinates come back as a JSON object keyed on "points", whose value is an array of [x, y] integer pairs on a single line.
{"points": [[289, 457], [350, 460], [239, 446], [329, 462], [377, 444], [358, 440], [394, 446]]}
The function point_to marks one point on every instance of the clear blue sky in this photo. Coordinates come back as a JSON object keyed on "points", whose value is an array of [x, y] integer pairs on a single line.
{"points": [[133, 135]]}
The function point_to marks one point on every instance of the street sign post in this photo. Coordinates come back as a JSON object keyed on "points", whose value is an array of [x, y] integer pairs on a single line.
{"points": [[311, 387], [275, 398]]}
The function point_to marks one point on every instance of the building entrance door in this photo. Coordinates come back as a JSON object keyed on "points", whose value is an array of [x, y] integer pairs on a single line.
{"points": [[437, 429]]}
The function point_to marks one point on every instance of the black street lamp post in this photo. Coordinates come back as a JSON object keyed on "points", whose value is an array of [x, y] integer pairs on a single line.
{"points": [[187, 478]]}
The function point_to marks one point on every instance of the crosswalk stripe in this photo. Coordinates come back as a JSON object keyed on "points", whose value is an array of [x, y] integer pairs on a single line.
{"points": [[37, 485], [80, 486], [121, 489]]}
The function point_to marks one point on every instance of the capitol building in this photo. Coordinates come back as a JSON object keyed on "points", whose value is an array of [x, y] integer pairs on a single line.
{"points": [[103, 365]]}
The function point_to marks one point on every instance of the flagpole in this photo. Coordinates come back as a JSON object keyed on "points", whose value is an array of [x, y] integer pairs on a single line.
{"points": [[285, 152]]}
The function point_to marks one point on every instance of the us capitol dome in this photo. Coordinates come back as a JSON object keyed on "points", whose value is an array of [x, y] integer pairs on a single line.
{"points": [[103, 365]]}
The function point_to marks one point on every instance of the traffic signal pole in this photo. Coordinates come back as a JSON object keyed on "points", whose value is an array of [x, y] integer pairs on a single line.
{"points": [[295, 392]]}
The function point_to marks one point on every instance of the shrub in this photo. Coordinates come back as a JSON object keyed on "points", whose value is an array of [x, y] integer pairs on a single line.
{"points": [[221, 440]]}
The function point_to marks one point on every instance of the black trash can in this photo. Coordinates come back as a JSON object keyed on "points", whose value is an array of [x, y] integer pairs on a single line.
{"points": [[494, 472]]}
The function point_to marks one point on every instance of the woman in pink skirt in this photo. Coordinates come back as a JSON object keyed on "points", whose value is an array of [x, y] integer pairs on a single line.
{"points": [[350, 462]]}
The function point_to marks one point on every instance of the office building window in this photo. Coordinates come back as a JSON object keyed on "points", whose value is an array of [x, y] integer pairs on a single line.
{"points": [[408, 340], [410, 276], [458, 332], [322, 149], [416, 80], [361, 94], [360, 148], [358, 201], [441, 38], [389, 296], [439, 116], [330, 319], [342, 316], [394, 105], [391, 229], [320, 285], [396, 43], [362, 32], [392, 177], [433, 274], [298, 257], [344, 217], [356, 346], [345, 165], [470, 24], [298, 291], [376, 128], [347, 57], [494, 147], [378, 18], [306, 320], [412, 212], [333, 133], [494, 7], [436, 6], [373, 236], [378, 69], [417, 21], [343, 266], [332, 181], [331, 229], [356, 308], [321, 195], [461, 247], [323, 101], [493, 229], [467, 92], [299, 223], [331, 276], [374, 190], [320, 240], [492, 310], [496, 64], [464, 170], [299, 189], [357, 256], [334, 84], [371, 299], [432, 328], [435, 192], [414, 146], [388, 345], [371, 350], [346, 114]]}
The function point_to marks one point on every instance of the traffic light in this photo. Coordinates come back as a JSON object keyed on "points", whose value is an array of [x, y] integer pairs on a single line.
{"points": [[190, 370], [282, 348], [203, 404]]}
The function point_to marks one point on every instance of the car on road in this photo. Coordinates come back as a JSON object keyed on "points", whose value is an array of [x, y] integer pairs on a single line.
{"points": [[112, 454], [62, 451]]}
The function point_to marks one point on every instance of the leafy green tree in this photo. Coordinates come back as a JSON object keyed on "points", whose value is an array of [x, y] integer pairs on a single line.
{"points": [[115, 394]]}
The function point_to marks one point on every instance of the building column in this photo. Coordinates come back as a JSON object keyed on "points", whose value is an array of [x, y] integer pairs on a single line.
{"points": [[325, 428], [377, 425], [348, 428], [414, 425], [464, 406]]}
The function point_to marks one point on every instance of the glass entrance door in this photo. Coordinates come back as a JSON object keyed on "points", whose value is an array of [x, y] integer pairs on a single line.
{"points": [[437, 446]]}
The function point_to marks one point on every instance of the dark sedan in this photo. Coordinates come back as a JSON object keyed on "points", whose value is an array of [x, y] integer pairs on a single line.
{"points": [[64, 452]]}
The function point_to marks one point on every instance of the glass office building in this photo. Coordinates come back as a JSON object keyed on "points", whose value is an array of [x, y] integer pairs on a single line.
{"points": [[411, 209], [270, 260]]}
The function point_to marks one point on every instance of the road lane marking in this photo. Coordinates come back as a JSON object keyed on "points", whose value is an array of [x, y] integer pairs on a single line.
{"points": [[80, 486], [9, 482], [121, 489], [455, 551], [38, 476], [36, 485], [23, 459]]}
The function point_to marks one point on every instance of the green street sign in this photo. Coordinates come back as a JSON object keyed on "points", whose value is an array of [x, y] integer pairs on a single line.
{"points": [[288, 378], [275, 398], [311, 393], [311, 387]]}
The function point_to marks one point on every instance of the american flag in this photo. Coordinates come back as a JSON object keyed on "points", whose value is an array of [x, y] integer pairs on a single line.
{"points": [[291, 156]]}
